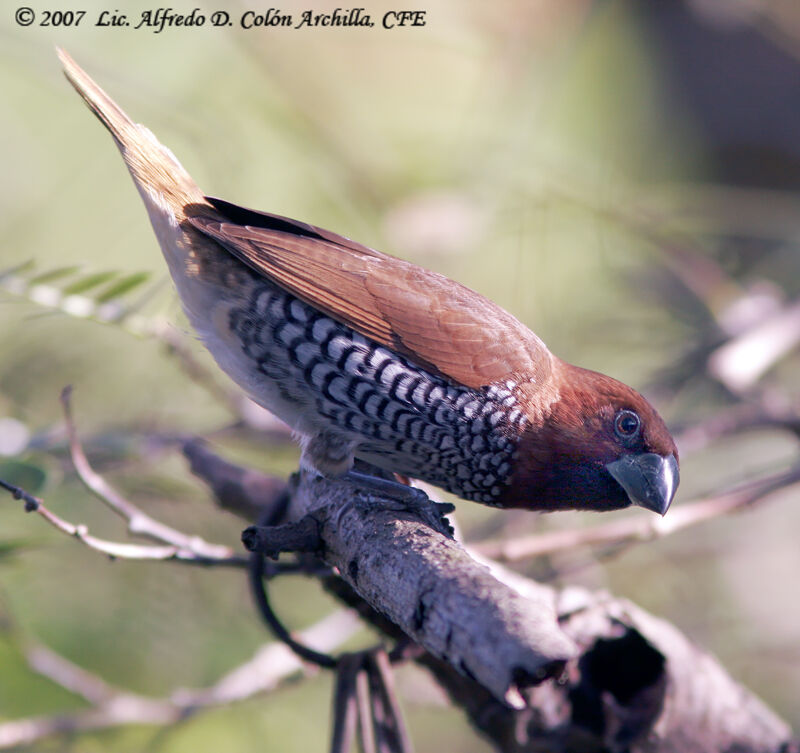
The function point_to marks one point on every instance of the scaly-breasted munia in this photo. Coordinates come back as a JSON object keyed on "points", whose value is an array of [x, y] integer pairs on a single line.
{"points": [[365, 355]]}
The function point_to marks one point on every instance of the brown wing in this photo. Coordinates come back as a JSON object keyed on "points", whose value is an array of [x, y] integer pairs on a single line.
{"points": [[434, 321]]}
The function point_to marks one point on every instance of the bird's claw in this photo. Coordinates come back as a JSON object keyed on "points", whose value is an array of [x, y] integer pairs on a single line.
{"points": [[409, 495], [409, 498]]}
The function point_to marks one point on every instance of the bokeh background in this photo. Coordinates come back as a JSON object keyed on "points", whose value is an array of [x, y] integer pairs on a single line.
{"points": [[619, 175]]}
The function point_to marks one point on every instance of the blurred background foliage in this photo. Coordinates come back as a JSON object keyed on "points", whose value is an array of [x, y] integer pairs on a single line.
{"points": [[619, 175]]}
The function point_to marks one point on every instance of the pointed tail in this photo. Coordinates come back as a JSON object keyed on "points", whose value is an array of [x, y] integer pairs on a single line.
{"points": [[122, 128], [162, 181]]}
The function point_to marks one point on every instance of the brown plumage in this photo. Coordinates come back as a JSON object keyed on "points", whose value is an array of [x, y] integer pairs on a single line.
{"points": [[366, 355], [435, 321]]}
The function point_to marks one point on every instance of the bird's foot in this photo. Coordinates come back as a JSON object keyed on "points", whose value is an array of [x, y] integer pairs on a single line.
{"points": [[410, 498], [409, 495]]}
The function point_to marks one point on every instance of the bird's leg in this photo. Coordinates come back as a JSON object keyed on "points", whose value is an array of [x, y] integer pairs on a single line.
{"points": [[331, 455], [409, 498], [327, 453], [408, 495]]}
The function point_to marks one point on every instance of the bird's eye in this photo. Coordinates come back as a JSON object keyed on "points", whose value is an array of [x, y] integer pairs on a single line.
{"points": [[627, 424]]}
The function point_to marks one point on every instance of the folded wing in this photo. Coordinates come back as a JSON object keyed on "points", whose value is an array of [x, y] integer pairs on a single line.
{"points": [[440, 324]]}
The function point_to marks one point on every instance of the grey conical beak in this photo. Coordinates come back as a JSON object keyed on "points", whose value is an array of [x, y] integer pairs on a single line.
{"points": [[649, 480]]}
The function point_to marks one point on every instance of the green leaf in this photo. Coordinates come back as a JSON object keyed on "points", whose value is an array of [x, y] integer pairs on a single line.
{"points": [[99, 296], [122, 286], [88, 282]]}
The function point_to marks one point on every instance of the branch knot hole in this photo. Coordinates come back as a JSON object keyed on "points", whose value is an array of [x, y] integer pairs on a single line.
{"points": [[626, 672]]}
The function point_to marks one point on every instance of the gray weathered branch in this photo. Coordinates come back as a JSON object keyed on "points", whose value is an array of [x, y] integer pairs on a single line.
{"points": [[637, 685], [427, 584], [627, 681], [271, 666]]}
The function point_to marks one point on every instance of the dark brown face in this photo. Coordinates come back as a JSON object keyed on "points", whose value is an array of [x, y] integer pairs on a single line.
{"points": [[601, 446]]}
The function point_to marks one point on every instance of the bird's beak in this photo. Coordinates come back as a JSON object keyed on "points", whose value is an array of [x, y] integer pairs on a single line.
{"points": [[648, 479]]}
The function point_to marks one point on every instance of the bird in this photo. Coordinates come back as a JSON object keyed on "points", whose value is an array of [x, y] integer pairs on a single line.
{"points": [[367, 356]]}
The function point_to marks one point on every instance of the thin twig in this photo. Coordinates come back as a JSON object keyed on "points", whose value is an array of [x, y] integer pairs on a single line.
{"points": [[379, 714], [632, 530], [69, 676], [345, 708], [767, 411], [258, 588], [139, 522], [366, 731], [384, 724], [388, 695], [116, 549], [257, 574], [272, 665], [295, 536]]}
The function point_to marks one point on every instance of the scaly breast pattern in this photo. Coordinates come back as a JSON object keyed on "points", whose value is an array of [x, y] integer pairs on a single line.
{"points": [[405, 419]]}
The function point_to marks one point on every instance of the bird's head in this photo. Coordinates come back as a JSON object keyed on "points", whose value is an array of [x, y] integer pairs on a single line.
{"points": [[599, 445]]}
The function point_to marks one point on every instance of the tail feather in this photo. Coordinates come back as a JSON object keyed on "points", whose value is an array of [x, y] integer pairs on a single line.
{"points": [[211, 282], [110, 114], [162, 181]]}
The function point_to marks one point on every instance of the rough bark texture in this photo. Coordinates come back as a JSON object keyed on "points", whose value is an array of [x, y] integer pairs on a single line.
{"points": [[405, 564], [634, 683]]}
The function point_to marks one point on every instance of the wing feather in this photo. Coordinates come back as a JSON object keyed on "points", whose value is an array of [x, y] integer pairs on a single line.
{"points": [[432, 320]]}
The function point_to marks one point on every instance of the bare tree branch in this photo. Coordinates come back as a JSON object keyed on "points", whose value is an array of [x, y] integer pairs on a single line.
{"points": [[69, 676], [382, 681], [345, 706], [111, 548], [428, 585], [272, 665], [490, 636], [637, 685], [743, 360], [118, 550], [768, 411], [139, 522], [242, 491]]}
